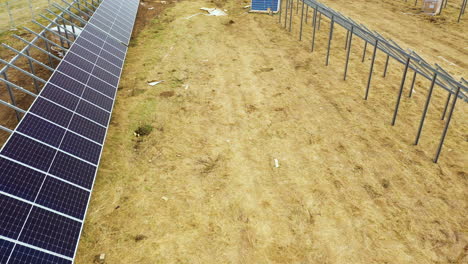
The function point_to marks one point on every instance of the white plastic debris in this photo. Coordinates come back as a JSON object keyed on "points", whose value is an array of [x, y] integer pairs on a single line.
{"points": [[69, 28], [151, 8], [153, 83], [194, 15], [247, 6], [214, 11], [449, 62], [165, 198], [186, 86], [276, 163]]}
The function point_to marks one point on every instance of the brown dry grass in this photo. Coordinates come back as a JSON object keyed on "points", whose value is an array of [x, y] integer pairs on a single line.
{"points": [[202, 187]]}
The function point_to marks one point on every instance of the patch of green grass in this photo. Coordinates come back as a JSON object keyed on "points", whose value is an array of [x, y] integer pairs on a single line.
{"points": [[144, 130]]}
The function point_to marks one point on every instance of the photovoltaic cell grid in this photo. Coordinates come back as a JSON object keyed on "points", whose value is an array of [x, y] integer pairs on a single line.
{"points": [[264, 5], [48, 165]]}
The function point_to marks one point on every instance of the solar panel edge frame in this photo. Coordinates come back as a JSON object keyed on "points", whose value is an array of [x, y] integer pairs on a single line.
{"points": [[14, 131]]}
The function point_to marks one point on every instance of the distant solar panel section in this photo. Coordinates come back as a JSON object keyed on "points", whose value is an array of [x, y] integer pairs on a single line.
{"points": [[49, 163], [265, 5]]}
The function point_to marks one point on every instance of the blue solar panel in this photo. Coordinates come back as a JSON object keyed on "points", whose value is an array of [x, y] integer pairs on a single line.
{"points": [[25, 255], [79, 62], [101, 25], [19, 180], [98, 99], [102, 86], [91, 38], [51, 111], [13, 213], [67, 83], [28, 151], [41, 130], [60, 96], [87, 129], [51, 231], [106, 76], [73, 170], [112, 58], [5, 250], [72, 71], [86, 51], [63, 197], [48, 165], [81, 147], [115, 51], [97, 32], [90, 47], [263, 5], [92, 112]]}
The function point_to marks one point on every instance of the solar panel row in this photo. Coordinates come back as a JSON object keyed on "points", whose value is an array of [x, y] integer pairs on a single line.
{"points": [[48, 165]]}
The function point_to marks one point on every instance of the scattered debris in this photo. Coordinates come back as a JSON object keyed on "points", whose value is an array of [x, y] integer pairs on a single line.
{"points": [[151, 8], [165, 198], [140, 238], [385, 183], [214, 11], [186, 86], [154, 82], [58, 52], [228, 23], [100, 259], [167, 94], [247, 6], [449, 62], [194, 15], [276, 163]]}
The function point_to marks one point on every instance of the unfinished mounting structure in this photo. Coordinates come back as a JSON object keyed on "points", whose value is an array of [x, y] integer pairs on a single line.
{"points": [[27, 72], [410, 59]]}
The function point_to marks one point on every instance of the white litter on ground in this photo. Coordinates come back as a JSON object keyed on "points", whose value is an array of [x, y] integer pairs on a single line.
{"points": [[194, 15], [276, 163], [155, 83], [214, 11], [69, 29], [449, 62]]}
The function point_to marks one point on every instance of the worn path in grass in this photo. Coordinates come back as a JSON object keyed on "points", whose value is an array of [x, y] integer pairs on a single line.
{"points": [[239, 92]]}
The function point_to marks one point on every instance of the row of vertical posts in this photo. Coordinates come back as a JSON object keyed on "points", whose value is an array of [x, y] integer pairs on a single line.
{"points": [[9, 7], [285, 17]]}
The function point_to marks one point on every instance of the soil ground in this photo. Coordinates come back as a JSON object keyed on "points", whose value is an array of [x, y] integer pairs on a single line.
{"points": [[238, 93]]}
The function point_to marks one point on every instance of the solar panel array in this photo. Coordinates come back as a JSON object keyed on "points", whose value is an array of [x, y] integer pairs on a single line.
{"points": [[48, 165]]}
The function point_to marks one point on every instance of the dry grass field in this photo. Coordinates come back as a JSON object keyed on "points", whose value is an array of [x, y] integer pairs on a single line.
{"points": [[199, 184]]}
